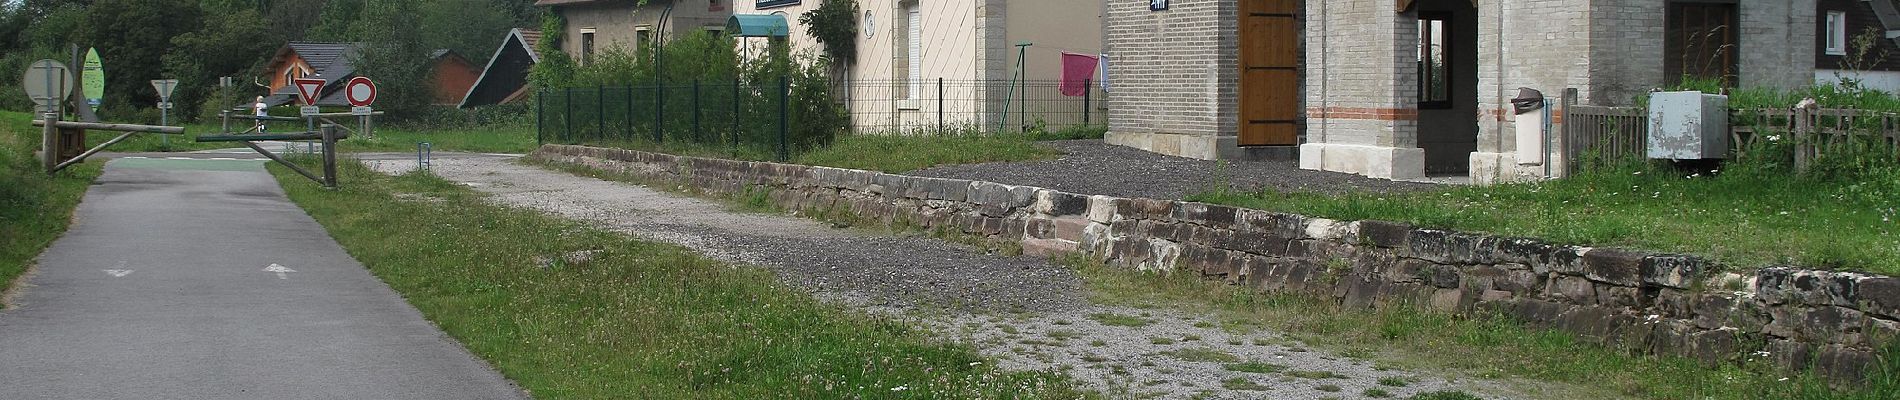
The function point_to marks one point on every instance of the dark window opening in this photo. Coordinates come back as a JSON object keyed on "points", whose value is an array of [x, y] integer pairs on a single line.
{"points": [[587, 48], [1700, 43], [1434, 60]]}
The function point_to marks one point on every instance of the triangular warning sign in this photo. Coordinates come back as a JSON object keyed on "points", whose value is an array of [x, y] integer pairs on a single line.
{"points": [[308, 90]]}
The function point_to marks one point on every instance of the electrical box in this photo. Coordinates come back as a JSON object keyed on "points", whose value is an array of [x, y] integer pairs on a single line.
{"points": [[1688, 126]]}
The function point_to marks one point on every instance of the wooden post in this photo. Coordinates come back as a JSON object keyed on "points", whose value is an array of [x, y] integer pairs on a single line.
{"points": [[49, 142], [1802, 126], [329, 155]]}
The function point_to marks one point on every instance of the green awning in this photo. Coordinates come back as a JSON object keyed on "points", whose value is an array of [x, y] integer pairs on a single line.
{"points": [[758, 25]]}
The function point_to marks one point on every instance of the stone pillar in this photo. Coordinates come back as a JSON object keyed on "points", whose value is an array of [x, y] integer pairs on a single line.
{"points": [[1173, 75], [1362, 99]]}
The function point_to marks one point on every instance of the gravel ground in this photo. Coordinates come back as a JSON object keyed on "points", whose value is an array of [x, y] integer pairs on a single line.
{"points": [[1094, 167], [1027, 313]]}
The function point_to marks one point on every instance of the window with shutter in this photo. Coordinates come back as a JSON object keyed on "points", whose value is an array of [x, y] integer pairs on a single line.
{"points": [[915, 32]]}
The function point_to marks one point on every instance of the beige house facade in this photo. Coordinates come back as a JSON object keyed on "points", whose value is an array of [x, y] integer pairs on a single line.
{"points": [[594, 26], [904, 47]]}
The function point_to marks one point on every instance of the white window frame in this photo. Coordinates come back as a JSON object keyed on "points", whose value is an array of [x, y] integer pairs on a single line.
{"points": [[914, 49], [1836, 33], [588, 41]]}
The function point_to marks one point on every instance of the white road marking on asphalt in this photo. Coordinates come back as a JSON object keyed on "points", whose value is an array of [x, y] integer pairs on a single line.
{"points": [[140, 157], [178, 158], [280, 270], [118, 273]]}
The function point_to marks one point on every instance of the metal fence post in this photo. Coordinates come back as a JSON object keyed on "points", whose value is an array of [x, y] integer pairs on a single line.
{"points": [[567, 117], [736, 124], [784, 119], [698, 135], [939, 105], [627, 116], [600, 112], [659, 109], [540, 115], [1087, 95]]}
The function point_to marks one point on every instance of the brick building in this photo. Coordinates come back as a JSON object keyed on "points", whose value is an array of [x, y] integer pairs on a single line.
{"points": [[1399, 89]]}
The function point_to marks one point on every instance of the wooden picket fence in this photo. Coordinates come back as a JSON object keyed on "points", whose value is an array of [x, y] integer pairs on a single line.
{"points": [[1610, 133]]}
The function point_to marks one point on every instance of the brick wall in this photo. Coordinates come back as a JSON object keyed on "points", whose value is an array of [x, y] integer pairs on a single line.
{"points": [[1172, 71]]}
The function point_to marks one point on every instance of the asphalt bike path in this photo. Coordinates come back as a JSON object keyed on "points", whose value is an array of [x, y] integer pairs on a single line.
{"points": [[198, 279]]}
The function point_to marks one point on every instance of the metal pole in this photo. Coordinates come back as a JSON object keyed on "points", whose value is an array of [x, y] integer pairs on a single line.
{"points": [[698, 135], [659, 107], [540, 116], [627, 117], [600, 112], [329, 155], [735, 112], [939, 105], [49, 142], [784, 119], [1086, 96], [164, 118], [567, 123]]}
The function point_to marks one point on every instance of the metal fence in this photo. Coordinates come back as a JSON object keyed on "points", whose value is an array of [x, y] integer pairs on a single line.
{"points": [[741, 116], [766, 117], [1597, 133]]}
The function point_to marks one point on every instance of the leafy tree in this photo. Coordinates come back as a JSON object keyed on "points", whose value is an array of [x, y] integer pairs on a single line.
{"points": [[394, 55], [132, 36], [470, 28], [835, 25], [337, 19], [291, 19], [231, 44]]}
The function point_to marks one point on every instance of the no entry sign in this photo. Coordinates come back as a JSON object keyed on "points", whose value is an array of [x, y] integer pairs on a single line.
{"points": [[360, 91]]}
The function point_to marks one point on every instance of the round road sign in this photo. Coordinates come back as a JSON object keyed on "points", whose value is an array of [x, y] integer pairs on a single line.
{"points": [[360, 91], [47, 81]]}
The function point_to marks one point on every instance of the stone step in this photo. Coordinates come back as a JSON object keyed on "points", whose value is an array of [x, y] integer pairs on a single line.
{"points": [[1070, 228], [1047, 248]]}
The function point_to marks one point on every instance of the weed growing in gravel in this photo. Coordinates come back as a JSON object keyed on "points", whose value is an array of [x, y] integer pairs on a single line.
{"points": [[1097, 343], [1444, 395], [1315, 374], [1112, 319], [1239, 383], [1160, 340], [1203, 354], [1254, 367], [1059, 334], [1394, 381], [1329, 388], [1377, 393]]}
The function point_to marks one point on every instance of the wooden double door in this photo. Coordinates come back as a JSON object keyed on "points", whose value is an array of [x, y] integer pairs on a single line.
{"points": [[1270, 72]]}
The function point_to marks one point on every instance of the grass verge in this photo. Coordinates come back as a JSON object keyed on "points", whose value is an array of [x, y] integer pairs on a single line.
{"points": [[1745, 220], [34, 208], [888, 153], [1484, 346], [568, 311]]}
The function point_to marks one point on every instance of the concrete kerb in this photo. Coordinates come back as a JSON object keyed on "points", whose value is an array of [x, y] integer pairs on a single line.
{"points": [[1612, 295]]}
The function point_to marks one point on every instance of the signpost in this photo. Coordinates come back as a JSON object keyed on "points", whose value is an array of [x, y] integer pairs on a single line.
{"points": [[46, 82], [95, 76], [361, 92], [164, 88]]}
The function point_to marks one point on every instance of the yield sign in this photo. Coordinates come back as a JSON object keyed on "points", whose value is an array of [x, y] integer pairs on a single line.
{"points": [[361, 92], [164, 87], [308, 90]]}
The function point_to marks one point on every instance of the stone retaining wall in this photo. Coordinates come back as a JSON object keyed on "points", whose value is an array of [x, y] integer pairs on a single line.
{"points": [[1658, 303]]}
